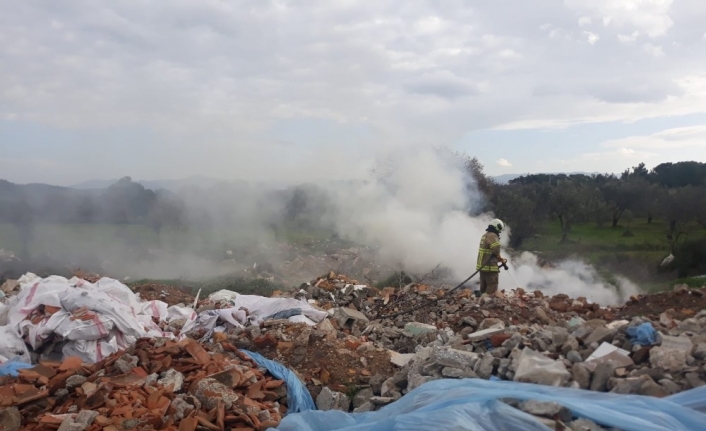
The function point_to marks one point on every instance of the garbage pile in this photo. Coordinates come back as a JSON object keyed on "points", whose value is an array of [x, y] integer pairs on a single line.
{"points": [[56, 317], [155, 384]]}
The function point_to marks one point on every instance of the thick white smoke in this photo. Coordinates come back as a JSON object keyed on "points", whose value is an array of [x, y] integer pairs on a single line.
{"points": [[571, 277], [417, 214]]}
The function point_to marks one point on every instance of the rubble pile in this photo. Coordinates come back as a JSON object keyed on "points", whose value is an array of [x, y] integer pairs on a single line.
{"points": [[155, 384], [516, 336], [355, 347]]}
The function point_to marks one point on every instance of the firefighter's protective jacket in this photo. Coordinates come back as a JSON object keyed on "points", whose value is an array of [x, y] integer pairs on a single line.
{"points": [[488, 253]]}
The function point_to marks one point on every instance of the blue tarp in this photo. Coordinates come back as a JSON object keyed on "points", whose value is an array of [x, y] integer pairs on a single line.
{"points": [[473, 405], [298, 396]]}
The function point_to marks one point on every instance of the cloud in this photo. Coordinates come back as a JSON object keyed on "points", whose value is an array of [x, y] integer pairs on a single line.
{"points": [[193, 79], [623, 38], [670, 139], [592, 37], [651, 16], [503, 163], [653, 50]]}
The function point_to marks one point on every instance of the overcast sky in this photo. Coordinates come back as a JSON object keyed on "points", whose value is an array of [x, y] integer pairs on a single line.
{"points": [[305, 90]]}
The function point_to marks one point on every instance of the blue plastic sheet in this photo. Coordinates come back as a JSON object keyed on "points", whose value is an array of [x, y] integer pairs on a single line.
{"points": [[12, 368], [298, 396], [643, 334], [473, 405]]}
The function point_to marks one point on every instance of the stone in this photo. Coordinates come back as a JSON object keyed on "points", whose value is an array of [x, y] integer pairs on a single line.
{"points": [[694, 380], [382, 401], [491, 323], [534, 367], [417, 380], [542, 315], [582, 375], [367, 407], [400, 379], [699, 351], [10, 419], [454, 358], [362, 397], [327, 328], [513, 341], [457, 373], [400, 359], [347, 317], [75, 381], [468, 320], [388, 388], [416, 328], [570, 344], [574, 357], [126, 363], [670, 386], [600, 335], [331, 400], [484, 368], [484, 334], [668, 357], [652, 389], [173, 378], [210, 392], [546, 409], [376, 382], [584, 425], [86, 417], [655, 373], [602, 373], [643, 385]]}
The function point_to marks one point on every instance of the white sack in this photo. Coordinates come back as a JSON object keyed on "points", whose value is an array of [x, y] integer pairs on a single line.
{"points": [[94, 329], [12, 346], [37, 334], [158, 309], [122, 315]]}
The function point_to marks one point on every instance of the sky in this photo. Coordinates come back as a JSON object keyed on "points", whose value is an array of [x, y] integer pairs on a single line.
{"points": [[318, 90]]}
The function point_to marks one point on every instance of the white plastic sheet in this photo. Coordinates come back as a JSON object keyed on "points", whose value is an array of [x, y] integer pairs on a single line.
{"points": [[260, 307]]}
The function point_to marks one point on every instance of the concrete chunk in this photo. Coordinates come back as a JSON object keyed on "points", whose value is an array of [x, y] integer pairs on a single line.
{"points": [[485, 334], [546, 409], [454, 358], [330, 400], [416, 328]]}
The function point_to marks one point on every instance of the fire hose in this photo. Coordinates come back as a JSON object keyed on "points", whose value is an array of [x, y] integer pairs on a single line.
{"points": [[431, 301]]}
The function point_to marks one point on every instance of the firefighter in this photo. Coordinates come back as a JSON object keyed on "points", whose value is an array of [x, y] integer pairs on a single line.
{"points": [[489, 258]]}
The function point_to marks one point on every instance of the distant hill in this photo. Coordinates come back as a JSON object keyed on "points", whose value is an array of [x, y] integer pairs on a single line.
{"points": [[171, 185], [505, 179]]}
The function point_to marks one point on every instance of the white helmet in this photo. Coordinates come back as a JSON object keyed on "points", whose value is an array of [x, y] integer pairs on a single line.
{"points": [[498, 224]]}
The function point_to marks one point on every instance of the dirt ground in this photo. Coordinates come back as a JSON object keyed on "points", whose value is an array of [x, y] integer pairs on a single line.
{"points": [[170, 294], [342, 365], [684, 304]]}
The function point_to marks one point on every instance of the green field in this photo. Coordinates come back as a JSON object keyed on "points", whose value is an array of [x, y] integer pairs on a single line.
{"points": [[610, 251]]}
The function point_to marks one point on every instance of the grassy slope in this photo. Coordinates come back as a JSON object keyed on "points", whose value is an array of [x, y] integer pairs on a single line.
{"points": [[610, 251]]}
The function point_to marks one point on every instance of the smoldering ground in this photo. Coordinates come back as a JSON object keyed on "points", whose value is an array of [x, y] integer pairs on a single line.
{"points": [[418, 209]]}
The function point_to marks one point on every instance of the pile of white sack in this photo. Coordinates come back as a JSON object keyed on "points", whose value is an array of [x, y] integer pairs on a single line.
{"points": [[72, 317]]}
